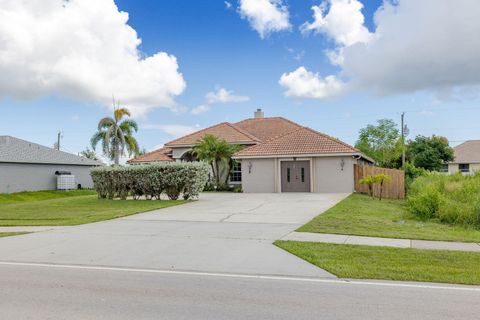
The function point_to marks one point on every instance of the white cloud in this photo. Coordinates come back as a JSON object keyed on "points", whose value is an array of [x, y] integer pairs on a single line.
{"points": [[201, 109], [175, 130], [344, 22], [82, 49], [426, 45], [228, 5], [222, 95], [302, 83], [265, 16]]}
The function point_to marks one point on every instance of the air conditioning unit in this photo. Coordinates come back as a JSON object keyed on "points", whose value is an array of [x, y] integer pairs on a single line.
{"points": [[65, 181]]}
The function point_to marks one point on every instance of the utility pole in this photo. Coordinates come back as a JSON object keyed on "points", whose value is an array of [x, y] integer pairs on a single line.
{"points": [[403, 141]]}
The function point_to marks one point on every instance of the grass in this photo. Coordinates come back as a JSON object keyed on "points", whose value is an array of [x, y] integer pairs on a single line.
{"points": [[42, 195], [360, 215], [367, 262], [47, 208], [7, 234]]}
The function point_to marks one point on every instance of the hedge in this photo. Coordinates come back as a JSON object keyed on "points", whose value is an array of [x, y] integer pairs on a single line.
{"points": [[151, 180]]}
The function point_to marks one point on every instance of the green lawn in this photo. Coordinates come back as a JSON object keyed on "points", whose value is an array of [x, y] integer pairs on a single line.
{"points": [[360, 215], [42, 195], [47, 208], [7, 234], [366, 262]]}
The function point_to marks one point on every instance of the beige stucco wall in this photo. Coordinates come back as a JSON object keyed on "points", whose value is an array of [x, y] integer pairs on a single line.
{"points": [[178, 152], [329, 176], [453, 167], [261, 177]]}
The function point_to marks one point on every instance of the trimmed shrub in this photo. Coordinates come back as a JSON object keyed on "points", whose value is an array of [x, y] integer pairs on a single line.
{"points": [[452, 199], [152, 180]]}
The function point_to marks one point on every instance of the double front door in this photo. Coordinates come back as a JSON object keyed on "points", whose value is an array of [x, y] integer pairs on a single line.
{"points": [[295, 176]]}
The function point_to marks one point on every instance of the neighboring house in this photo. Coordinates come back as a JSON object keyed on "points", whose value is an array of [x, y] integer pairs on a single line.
{"points": [[278, 156], [27, 166], [466, 157]]}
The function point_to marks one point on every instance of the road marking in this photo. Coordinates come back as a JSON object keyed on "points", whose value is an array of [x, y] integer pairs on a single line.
{"points": [[246, 276]]}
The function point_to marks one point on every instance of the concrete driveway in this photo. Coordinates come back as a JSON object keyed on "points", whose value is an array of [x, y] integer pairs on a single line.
{"points": [[222, 232]]}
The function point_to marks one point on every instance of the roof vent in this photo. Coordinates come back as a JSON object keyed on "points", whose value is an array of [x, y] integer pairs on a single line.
{"points": [[258, 114]]}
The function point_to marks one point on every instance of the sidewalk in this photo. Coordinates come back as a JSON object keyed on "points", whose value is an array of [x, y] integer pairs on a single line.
{"points": [[383, 242]]}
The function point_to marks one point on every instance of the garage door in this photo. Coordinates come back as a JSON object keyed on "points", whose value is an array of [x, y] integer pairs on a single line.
{"points": [[295, 176]]}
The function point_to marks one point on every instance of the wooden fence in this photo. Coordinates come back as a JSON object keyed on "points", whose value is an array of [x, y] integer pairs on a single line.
{"points": [[395, 189]]}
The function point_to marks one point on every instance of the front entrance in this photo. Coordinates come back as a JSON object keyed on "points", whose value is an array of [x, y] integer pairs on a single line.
{"points": [[295, 176]]}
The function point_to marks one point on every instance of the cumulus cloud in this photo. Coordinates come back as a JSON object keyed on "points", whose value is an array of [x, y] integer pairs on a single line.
{"points": [[302, 83], [82, 49], [265, 16], [201, 109], [344, 22], [220, 95], [426, 45], [175, 130]]}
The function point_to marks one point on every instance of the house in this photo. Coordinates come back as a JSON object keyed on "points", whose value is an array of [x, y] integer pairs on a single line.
{"points": [[466, 157], [278, 156], [27, 166]]}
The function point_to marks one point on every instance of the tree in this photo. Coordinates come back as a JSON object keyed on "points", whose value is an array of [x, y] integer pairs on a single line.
{"points": [[369, 181], [116, 135], [89, 154], [382, 179], [382, 142], [217, 153], [430, 153]]}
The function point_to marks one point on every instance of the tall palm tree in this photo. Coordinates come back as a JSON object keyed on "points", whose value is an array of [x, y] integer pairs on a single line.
{"points": [[116, 135], [216, 152]]}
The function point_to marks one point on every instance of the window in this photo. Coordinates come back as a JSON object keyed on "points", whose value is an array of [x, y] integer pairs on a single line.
{"points": [[288, 174], [464, 167], [236, 173], [444, 167], [303, 174]]}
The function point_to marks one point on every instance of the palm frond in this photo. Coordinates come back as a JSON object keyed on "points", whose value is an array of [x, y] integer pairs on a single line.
{"points": [[106, 123], [97, 137], [129, 125], [120, 112]]}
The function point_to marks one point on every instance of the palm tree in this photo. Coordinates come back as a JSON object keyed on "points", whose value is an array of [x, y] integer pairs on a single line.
{"points": [[116, 135], [215, 152], [89, 154]]}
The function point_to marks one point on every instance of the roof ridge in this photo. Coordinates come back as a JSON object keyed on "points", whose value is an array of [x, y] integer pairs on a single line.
{"points": [[195, 132], [334, 139], [248, 134], [273, 139]]}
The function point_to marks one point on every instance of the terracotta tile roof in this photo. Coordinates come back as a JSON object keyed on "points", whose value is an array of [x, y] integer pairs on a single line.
{"points": [[298, 142], [224, 130], [268, 128], [162, 154], [467, 152]]}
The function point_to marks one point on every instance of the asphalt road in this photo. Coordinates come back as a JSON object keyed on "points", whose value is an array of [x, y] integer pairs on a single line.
{"points": [[68, 292]]}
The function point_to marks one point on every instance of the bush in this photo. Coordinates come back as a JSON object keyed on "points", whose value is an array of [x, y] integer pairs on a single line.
{"points": [[452, 199], [412, 173], [151, 181]]}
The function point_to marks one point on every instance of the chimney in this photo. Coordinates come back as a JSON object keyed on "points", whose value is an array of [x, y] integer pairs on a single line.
{"points": [[258, 114]]}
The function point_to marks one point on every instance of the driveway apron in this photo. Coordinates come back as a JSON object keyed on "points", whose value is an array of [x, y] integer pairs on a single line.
{"points": [[221, 232]]}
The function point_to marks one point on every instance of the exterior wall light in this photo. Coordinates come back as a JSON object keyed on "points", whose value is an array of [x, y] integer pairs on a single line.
{"points": [[250, 167], [342, 164]]}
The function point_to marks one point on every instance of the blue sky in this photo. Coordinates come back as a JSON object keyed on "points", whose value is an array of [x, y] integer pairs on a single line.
{"points": [[216, 48]]}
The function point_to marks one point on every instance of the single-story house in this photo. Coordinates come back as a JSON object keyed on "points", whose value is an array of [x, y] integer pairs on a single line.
{"points": [[27, 166], [466, 158], [278, 156]]}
